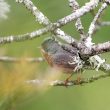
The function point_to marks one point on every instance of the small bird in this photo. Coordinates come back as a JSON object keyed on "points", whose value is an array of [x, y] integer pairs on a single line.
{"points": [[64, 57]]}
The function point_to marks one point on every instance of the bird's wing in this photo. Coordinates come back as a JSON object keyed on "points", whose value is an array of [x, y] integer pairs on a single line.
{"points": [[70, 49], [64, 60]]}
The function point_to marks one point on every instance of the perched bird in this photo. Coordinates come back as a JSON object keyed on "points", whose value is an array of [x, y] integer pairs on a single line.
{"points": [[64, 57]]}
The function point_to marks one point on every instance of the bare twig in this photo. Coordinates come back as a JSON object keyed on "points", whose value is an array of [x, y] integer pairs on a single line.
{"points": [[74, 4], [93, 23], [101, 24], [105, 23]]}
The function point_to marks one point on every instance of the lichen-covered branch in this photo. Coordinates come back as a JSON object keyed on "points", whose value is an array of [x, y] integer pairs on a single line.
{"points": [[23, 37], [101, 48], [78, 13], [95, 49]]}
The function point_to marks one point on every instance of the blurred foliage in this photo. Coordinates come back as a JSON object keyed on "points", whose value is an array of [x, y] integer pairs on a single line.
{"points": [[14, 95]]}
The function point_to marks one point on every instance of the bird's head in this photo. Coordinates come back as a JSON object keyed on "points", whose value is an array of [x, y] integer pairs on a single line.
{"points": [[50, 46]]}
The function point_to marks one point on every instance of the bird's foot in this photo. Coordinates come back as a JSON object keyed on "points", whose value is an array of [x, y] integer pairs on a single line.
{"points": [[78, 80]]}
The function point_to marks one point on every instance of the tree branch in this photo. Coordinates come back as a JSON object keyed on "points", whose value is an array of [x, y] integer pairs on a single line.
{"points": [[95, 49], [23, 37], [101, 48], [78, 13]]}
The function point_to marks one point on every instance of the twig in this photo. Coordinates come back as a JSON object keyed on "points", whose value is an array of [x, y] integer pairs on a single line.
{"points": [[105, 23], [92, 28], [101, 24], [93, 23], [15, 59], [74, 4]]}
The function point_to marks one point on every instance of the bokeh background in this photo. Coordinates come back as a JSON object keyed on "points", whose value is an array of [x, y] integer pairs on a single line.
{"points": [[14, 96]]}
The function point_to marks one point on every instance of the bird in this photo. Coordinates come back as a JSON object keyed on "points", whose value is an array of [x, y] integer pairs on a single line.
{"points": [[62, 56]]}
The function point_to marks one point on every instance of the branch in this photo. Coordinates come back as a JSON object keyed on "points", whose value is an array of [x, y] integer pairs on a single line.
{"points": [[101, 48], [78, 13], [15, 59], [95, 50], [23, 37]]}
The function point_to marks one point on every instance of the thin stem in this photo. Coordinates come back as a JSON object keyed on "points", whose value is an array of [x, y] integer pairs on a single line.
{"points": [[94, 22], [74, 4]]}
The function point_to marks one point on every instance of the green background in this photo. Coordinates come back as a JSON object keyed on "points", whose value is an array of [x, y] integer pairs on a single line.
{"points": [[94, 96]]}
